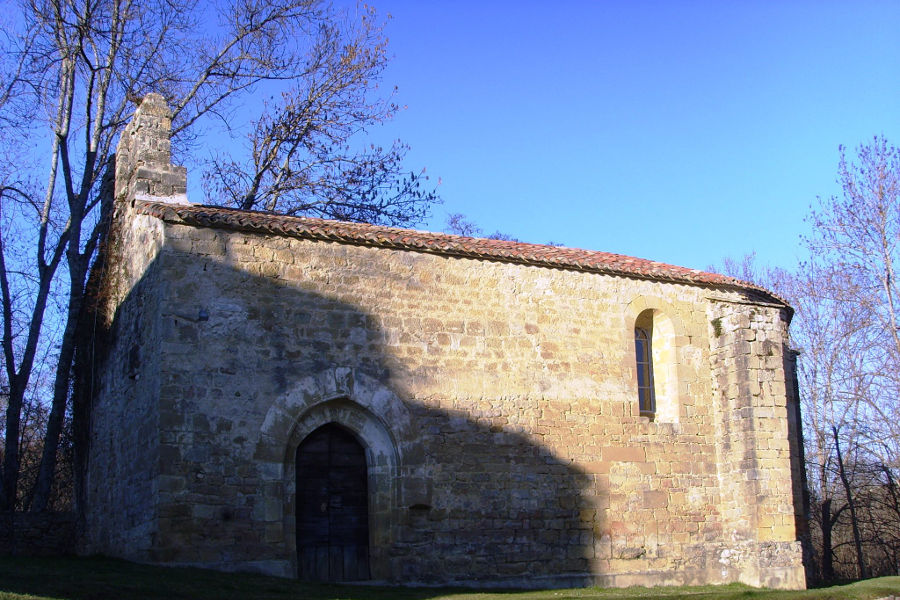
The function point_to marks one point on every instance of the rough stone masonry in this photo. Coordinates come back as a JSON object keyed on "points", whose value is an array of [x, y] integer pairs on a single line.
{"points": [[339, 401]]}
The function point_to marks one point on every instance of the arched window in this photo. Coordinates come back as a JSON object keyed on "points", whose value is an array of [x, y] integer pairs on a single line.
{"points": [[656, 363], [643, 351]]}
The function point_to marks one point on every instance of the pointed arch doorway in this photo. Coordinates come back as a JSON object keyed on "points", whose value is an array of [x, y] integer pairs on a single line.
{"points": [[332, 506]]}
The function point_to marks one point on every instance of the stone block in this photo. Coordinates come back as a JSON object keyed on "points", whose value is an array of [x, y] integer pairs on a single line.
{"points": [[623, 453], [655, 499]]}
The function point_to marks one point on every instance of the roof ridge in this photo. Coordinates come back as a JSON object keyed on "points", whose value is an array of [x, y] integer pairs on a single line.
{"points": [[439, 243]]}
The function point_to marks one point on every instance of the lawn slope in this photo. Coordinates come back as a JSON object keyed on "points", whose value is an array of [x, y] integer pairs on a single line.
{"points": [[102, 578]]}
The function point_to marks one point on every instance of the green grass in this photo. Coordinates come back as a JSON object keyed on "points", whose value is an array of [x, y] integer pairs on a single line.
{"points": [[102, 578]]}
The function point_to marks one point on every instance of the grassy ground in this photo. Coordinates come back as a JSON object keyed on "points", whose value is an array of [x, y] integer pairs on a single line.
{"points": [[100, 578]]}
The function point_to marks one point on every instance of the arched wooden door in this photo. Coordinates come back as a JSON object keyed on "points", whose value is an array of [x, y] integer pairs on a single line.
{"points": [[332, 507]]}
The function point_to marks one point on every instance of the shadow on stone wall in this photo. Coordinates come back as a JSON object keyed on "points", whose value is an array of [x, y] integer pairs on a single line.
{"points": [[37, 534], [476, 497]]}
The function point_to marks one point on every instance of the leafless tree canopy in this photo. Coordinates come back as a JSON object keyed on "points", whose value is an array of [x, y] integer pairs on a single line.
{"points": [[459, 224], [301, 150], [71, 72]]}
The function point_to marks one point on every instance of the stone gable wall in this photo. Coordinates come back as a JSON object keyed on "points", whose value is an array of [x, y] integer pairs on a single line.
{"points": [[121, 481]]}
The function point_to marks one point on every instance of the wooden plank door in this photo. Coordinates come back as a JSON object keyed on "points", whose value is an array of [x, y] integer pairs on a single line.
{"points": [[332, 507]]}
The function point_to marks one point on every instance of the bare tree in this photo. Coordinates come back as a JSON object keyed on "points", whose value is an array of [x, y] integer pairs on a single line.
{"points": [[69, 77], [459, 224], [302, 157], [849, 495], [846, 327], [858, 236], [830, 336]]}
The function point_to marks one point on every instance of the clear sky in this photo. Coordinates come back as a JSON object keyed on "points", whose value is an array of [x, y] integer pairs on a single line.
{"points": [[682, 132]]}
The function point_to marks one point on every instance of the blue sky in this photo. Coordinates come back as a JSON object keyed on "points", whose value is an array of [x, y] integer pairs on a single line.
{"points": [[682, 132]]}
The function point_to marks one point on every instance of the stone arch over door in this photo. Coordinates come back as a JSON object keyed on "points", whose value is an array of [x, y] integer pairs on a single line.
{"points": [[361, 406]]}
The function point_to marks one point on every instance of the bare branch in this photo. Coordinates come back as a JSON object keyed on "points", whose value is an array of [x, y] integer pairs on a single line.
{"points": [[69, 80]]}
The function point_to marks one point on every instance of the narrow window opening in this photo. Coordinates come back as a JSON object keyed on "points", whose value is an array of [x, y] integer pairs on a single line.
{"points": [[643, 351]]}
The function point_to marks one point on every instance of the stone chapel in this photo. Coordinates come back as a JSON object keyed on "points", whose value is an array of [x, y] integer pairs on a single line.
{"points": [[341, 402]]}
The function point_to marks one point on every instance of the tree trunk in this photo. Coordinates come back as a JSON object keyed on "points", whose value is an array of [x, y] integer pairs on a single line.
{"points": [[18, 385], [10, 475], [827, 555], [44, 483], [857, 541], [18, 380]]}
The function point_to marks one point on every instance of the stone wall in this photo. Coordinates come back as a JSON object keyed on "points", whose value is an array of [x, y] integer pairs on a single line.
{"points": [[496, 402], [37, 534], [519, 449], [748, 343], [123, 453]]}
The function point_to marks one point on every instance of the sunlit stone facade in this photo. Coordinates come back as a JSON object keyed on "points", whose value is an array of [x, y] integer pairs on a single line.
{"points": [[491, 386]]}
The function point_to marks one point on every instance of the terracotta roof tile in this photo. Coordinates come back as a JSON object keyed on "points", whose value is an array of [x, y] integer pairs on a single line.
{"points": [[441, 243]]}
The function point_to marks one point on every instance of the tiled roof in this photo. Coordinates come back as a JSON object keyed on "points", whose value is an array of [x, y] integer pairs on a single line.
{"points": [[440, 243]]}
